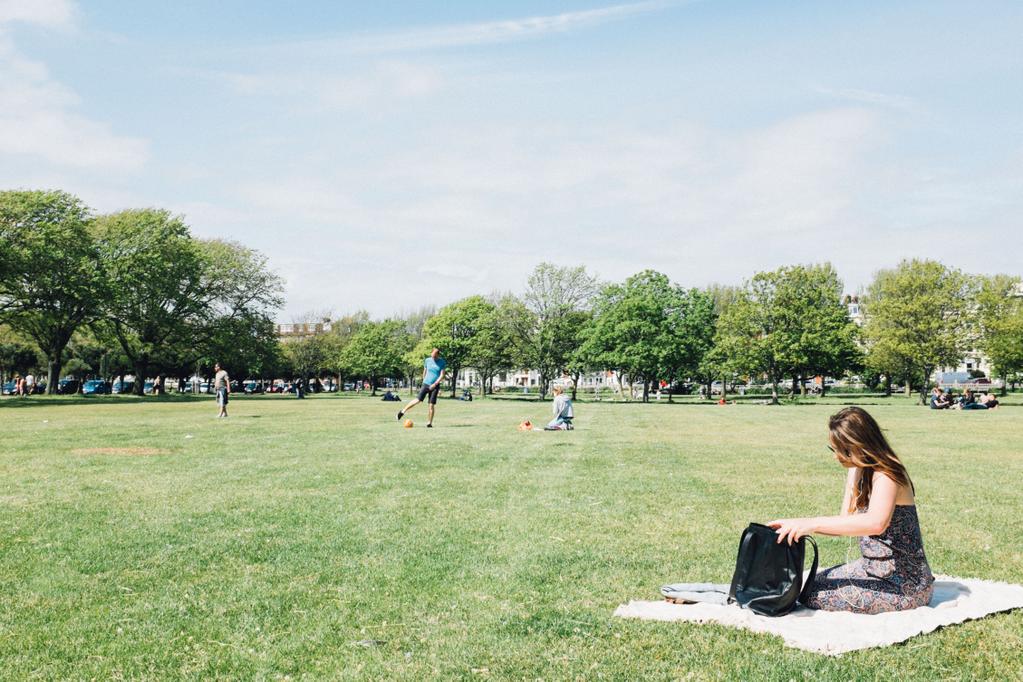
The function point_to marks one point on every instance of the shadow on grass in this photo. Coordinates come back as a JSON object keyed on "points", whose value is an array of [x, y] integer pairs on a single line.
{"points": [[50, 401]]}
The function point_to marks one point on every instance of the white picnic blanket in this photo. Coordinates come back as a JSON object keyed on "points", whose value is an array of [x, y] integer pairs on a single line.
{"points": [[955, 600]]}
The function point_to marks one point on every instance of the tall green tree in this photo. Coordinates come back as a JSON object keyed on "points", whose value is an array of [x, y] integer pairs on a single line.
{"points": [[692, 324], [789, 322], [376, 351], [1000, 314], [172, 296], [582, 360], [307, 356], [51, 272], [557, 299], [160, 295], [631, 331], [238, 328], [342, 329], [751, 335], [651, 329], [919, 314], [821, 338], [454, 330], [494, 347], [713, 364]]}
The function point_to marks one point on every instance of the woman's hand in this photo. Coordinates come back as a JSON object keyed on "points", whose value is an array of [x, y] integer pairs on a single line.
{"points": [[792, 529]]}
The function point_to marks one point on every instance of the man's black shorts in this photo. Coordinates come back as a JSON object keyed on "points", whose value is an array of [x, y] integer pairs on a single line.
{"points": [[427, 391]]}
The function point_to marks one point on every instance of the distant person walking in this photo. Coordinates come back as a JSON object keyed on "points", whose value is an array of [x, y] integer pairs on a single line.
{"points": [[433, 375], [222, 387]]}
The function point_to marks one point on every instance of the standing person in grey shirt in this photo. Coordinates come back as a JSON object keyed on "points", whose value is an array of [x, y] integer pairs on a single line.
{"points": [[222, 387]]}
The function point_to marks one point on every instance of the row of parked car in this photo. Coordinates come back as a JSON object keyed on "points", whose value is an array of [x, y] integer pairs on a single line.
{"points": [[9, 388], [249, 386]]}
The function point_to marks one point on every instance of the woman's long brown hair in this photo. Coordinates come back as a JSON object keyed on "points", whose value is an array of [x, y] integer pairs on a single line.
{"points": [[858, 441]]}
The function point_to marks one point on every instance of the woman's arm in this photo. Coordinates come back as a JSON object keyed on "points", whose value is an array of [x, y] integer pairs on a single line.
{"points": [[872, 522]]}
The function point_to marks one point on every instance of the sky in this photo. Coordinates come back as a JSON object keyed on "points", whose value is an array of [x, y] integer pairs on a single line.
{"points": [[386, 156]]}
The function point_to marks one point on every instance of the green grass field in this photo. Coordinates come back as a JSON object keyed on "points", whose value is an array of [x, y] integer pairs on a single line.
{"points": [[318, 539]]}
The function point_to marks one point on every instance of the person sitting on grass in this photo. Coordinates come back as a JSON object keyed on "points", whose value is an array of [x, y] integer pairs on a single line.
{"points": [[939, 400], [880, 507], [970, 402], [990, 400], [563, 413]]}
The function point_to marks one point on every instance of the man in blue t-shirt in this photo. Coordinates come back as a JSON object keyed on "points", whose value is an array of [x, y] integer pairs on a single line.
{"points": [[433, 375]]}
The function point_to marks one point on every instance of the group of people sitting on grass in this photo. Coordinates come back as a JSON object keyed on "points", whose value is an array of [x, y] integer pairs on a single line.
{"points": [[945, 399]]}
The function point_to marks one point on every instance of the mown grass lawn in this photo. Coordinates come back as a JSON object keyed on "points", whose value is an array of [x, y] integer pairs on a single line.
{"points": [[319, 539]]}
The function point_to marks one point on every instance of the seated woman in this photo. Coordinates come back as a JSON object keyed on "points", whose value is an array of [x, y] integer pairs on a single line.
{"points": [[990, 400], [879, 506], [939, 399], [969, 402], [563, 413]]}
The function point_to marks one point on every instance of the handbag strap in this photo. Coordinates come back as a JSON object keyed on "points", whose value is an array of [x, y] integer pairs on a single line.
{"points": [[813, 573]]}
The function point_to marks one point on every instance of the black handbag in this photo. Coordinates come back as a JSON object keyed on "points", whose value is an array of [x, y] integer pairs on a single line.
{"points": [[768, 576]]}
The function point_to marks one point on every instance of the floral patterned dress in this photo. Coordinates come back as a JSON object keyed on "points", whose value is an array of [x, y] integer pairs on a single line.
{"points": [[892, 575]]}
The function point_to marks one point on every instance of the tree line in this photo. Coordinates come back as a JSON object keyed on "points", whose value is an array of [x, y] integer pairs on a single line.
{"points": [[790, 324], [127, 291], [135, 291]]}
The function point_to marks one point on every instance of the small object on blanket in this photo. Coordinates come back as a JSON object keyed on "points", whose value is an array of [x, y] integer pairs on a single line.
{"points": [[955, 600], [696, 593]]}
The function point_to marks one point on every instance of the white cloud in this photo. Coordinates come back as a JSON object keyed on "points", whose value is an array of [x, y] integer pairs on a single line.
{"points": [[890, 101], [491, 32], [384, 81], [37, 114], [456, 271], [474, 210], [46, 13], [448, 36]]}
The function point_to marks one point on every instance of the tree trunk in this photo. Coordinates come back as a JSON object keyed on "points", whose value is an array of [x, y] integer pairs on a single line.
{"points": [[795, 381], [374, 380], [724, 387], [923, 386], [141, 368], [824, 386], [887, 386], [646, 390], [53, 373], [774, 391], [909, 388], [710, 388], [802, 387]]}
